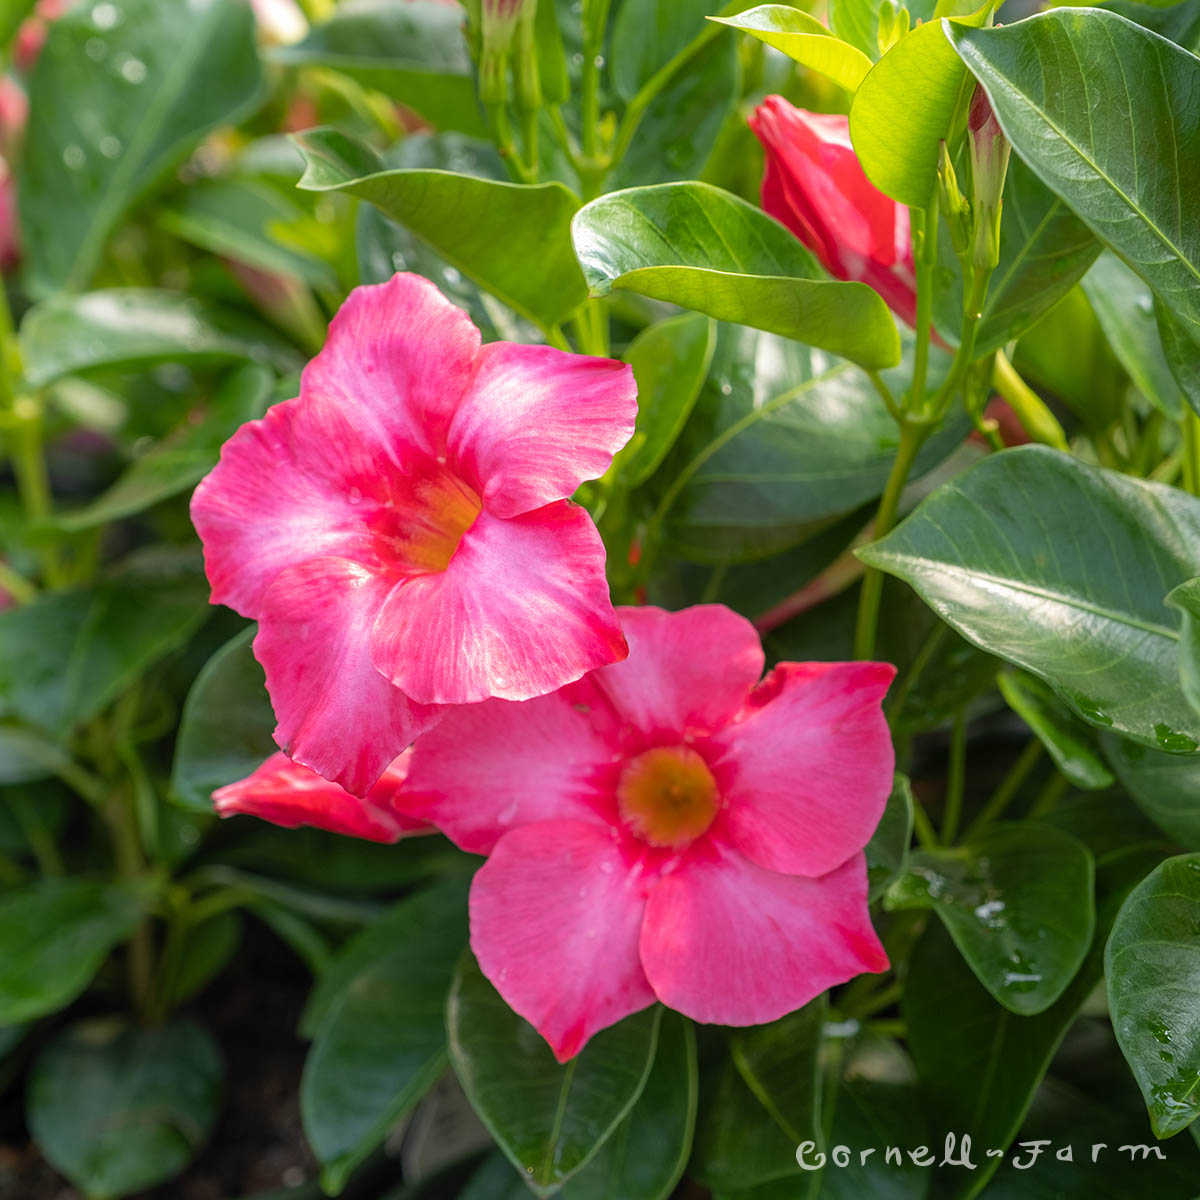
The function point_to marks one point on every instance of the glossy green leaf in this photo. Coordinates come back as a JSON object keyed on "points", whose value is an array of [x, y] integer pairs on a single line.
{"points": [[381, 1042], [412, 52], [1186, 600], [1017, 900], [649, 34], [705, 249], [805, 40], [66, 656], [904, 108], [670, 362], [1124, 306], [1077, 91], [857, 22], [1152, 968], [780, 1064], [782, 439], [1045, 249], [548, 1119], [887, 851], [677, 132], [1070, 742], [53, 937], [226, 727], [645, 1156], [180, 460], [1061, 569], [136, 328], [247, 222], [118, 1109], [979, 1063], [738, 1144], [121, 94], [1177, 22], [1182, 354], [511, 239], [1166, 787]]}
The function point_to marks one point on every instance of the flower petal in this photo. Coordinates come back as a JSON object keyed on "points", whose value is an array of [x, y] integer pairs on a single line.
{"points": [[398, 358], [336, 713], [687, 671], [487, 768], [287, 794], [726, 942], [536, 422], [521, 609], [260, 511], [555, 919], [806, 775]]}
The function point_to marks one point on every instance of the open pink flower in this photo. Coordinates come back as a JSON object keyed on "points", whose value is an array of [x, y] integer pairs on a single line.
{"points": [[401, 531], [668, 828], [287, 794], [815, 185]]}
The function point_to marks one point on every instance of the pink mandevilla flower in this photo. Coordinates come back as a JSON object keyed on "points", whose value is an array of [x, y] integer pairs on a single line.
{"points": [[668, 828], [287, 794], [815, 185], [401, 531]]}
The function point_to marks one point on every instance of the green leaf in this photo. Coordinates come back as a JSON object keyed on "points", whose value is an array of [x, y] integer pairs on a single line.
{"points": [[1077, 92], [649, 34], [118, 1109], [121, 95], [136, 328], [905, 107], [26, 755], [1177, 22], [179, 461], [53, 937], [805, 40], [381, 1041], [645, 1155], [1181, 353], [1186, 599], [1017, 900], [1071, 743], [1166, 787], [738, 1144], [979, 1063], [226, 727], [207, 950], [1152, 967], [772, 453], [511, 239], [857, 22], [548, 1119], [68, 655], [670, 361], [414, 53], [1124, 306], [242, 220], [887, 851], [781, 1065], [1045, 249], [1061, 568], [703, 248]]}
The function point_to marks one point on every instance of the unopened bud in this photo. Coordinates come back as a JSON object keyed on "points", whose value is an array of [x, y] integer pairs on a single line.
{"points": [[525, 61], [989, 165], [953, 203], [498, 26]]}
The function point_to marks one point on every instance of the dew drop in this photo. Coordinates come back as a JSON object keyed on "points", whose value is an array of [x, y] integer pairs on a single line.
{"points": [[134, 70], [110, 146], [105, 16], [451, 275], [726, 389], [606, 867], [74, 157], [398, 262], [355, 496]]}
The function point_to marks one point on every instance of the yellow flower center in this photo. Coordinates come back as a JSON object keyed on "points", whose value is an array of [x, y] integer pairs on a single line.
{"points": [[428, 524], [668, 796]]}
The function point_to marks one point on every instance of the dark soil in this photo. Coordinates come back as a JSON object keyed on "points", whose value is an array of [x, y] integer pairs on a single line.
{"points": [[258, 1145]]}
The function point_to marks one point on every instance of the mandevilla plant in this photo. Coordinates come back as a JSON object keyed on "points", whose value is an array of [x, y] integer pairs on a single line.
{"points": [[675, 532]]}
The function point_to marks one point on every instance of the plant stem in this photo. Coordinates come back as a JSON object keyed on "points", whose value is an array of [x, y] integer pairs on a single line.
{"points": [[955, 779], [925, 222], [920, 661], [1051, 794], [16, 585], [39, 837], [1191, 454], [131, 864], [912, 435], [1009, 786], [556, 337], [923, 827], [885, 394]]}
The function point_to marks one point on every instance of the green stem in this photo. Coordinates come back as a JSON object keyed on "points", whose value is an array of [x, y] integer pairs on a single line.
{"points": [[529, 135], [1051, 794], [1002, 797], [1191, 454], [502, 134], [923, 827], [556, 337], [955, 779], [131, 864], [37, 834], [16, 585], [885, 394], [965, 357], [912, 435], [925, 222], [920, 661]]}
